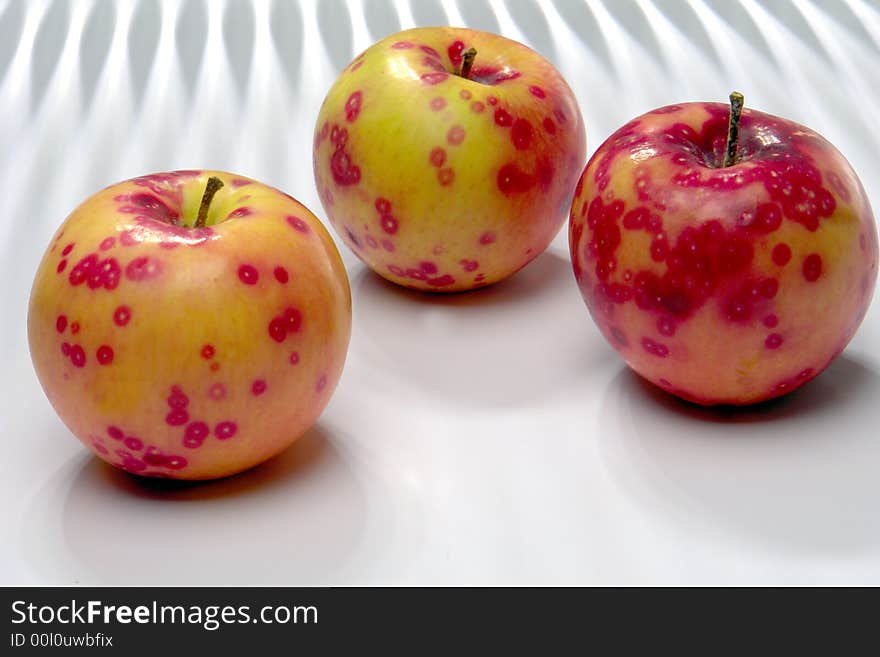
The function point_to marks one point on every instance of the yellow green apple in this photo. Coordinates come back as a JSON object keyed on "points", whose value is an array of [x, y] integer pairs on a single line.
{"points": [[189, 324], [445, 157], [728, 255]]}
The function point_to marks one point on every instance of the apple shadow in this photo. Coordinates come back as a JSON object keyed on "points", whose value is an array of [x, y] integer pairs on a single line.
{"points": [[797, 473], [294, 520], [510, 343]]}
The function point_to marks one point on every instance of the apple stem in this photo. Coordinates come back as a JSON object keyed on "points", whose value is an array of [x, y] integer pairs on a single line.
{"points": [[736, 106], [467, 62], [213, 186]]}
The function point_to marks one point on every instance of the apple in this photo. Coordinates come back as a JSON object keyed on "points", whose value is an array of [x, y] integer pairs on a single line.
{"points": [[189, 324], [728, 255], [445, 157]]}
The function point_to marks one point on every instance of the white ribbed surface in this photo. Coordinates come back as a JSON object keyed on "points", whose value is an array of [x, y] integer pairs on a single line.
{"points": [[483, 438]]}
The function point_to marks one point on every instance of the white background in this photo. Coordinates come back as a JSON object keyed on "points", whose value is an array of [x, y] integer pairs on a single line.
{"points": [[480, 438]]}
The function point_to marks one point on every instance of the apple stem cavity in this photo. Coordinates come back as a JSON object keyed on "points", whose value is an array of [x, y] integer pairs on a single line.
{"points": [[736, 106], [467, 62], [212, 187]]}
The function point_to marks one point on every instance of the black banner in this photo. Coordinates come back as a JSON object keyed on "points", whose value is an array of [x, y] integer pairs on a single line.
{"points": [[163, 621]]}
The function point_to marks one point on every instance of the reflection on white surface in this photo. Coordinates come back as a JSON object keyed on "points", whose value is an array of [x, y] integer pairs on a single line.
{"points": [[785, 473], [484, 438]]}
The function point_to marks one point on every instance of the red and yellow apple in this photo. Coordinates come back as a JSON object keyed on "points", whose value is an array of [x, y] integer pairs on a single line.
{"points": [[725, 270], [445, 157], [180, 335]]}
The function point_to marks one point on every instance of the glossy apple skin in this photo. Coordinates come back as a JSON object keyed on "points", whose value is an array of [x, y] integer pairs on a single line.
{"points": [[189, 353], [443, 183], [723, 285]]}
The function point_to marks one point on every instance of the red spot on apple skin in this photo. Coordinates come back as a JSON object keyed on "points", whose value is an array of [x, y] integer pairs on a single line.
{"points": [[281, 275], [208, 351], [487, 238], [812, 267], [503, 118], [437, 157], [278, 329], [773, 341], [294, 358], [121, 315], [344, 171], [248, 274], [389, 224], [438, 103], [521, 134], [67, 249], [454, 52], [781, 254], [441, 281], [194, 434], [455, 135], [537, 92], [446, 176], [177, 417], [513, 180], [61, 266], [104, 355], [549, 126], [239, 212], [134, 443], [434, 78], [298, 224], [225, 430], [107, 243], [353, 106], [77, 356], [655, 348], [402, 45], [61, 323], [477, 107], [258, 387], [142, 268]]}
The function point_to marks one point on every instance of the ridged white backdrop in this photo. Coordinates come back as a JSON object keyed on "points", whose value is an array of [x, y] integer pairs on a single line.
{"points": [[485, 438]]}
